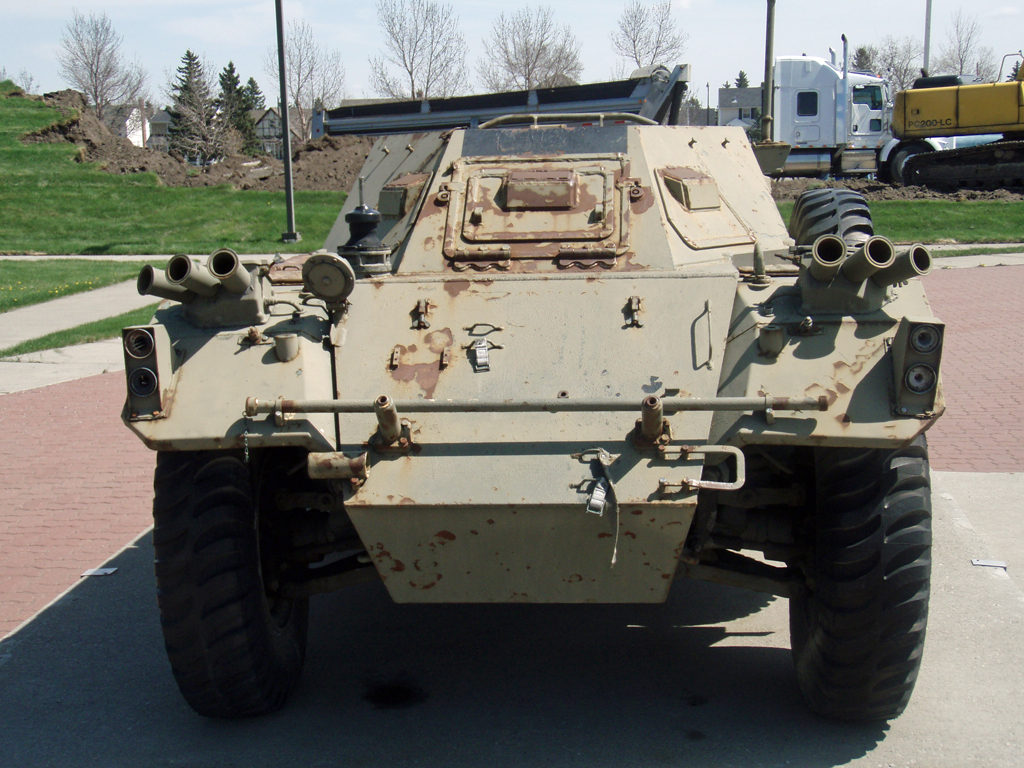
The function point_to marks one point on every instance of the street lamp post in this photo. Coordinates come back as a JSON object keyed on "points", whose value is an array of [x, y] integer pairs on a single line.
{"points": [[290, 235], [707, 119], [927, 35]]}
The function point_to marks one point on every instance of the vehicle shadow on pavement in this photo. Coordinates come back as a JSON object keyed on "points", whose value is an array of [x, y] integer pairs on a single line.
{"points": [[87, 683]]}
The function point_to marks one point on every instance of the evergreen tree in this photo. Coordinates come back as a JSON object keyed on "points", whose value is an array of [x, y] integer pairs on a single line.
{"points": [[864, 59], [741, 80], [253, 96], [195, 132], [1013, 71], [234, 109]]}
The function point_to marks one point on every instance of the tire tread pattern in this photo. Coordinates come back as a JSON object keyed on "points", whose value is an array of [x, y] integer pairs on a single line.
{"points": [[841, 212], [858, 633], [228, 657]]}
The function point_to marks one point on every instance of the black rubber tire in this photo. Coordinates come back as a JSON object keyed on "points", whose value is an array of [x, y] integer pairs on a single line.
{"points": [[234, 650], [841, 212], [897, 165], [857, 633]]}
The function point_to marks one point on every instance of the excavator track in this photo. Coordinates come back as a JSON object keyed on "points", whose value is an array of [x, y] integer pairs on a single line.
{"points": [[999, 165]]}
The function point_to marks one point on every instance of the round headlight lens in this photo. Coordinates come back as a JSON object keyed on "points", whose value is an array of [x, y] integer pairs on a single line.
{"points": [[920, 378], [142, 382], [925, 338], [138, 343]]}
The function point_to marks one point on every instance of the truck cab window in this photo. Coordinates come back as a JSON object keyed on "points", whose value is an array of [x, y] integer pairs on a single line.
{"points": [[807, 104], [869, 95]]}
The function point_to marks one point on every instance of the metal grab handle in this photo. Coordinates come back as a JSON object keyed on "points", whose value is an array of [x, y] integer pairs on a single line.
{"points": [[600, 117], [710, 485]]}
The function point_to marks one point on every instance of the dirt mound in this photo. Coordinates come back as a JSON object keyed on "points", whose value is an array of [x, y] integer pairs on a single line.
{"points": [[333, 162], [330, 163], [791, 189]]}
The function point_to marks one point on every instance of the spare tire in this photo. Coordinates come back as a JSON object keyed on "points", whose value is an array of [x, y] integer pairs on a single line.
{"points": [[841, 212]]}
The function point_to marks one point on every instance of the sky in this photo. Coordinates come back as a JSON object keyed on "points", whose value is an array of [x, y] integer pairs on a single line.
{"points": [[724, 36]]}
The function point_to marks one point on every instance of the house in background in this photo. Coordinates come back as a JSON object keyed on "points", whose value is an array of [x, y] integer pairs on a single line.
{"points": [[160, 131], [739, 106], [268, 130], [130, 122]]}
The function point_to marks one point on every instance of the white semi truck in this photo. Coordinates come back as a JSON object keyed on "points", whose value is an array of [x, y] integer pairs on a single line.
{"points": [[838, 122]]}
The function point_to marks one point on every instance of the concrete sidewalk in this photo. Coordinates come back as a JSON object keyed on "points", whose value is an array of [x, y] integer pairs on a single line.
{"points": [[31, 322]]}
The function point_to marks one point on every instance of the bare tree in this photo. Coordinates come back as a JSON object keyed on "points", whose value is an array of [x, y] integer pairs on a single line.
{"points": [[316, 76], [91, 60], [26, 81], [424, 54], [898, 60], [962, 53], [646, 34], [527, 50]]}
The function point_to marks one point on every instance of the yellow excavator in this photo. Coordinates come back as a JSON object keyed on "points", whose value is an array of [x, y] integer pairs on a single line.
{"points": [[942, 106]]}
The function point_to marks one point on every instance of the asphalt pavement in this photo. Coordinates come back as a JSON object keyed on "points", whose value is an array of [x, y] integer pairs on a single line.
{"points": [[705, 680]]}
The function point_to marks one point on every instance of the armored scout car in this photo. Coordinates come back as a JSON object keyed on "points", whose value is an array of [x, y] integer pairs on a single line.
{"points": [[555, 363]]}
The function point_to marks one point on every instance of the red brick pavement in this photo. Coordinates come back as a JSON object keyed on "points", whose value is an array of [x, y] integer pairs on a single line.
{"points": [[76, 485], [982, 369], [75, 488]]}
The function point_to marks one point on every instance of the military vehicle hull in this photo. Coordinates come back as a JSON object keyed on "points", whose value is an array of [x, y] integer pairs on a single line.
{"points": [[559, 364]]}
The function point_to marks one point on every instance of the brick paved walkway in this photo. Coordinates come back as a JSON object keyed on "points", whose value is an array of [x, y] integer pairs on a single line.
{"points": [[982, 369], [76, 485], [75, 488]]}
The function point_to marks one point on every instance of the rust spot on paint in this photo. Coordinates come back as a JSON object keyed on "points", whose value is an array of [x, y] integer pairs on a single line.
{"points": [[644, 203], [425, 374], [604, 535], [629, 533], [636, 512], [406, 500], [446, 535], [454, 287], [398, 566]]}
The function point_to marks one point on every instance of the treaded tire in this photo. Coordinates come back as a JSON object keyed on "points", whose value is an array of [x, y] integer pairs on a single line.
{"points": [[857, 633], [234, 651], [841, 212]]}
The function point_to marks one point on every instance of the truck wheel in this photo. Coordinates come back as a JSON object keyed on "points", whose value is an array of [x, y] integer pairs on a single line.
{"points": [[857, 631], [840, 212], [898, 163], [235, 648]]}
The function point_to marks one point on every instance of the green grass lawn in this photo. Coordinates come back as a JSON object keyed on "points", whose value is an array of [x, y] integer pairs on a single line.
{"points": [[30, 282], [932, 221], [52, 204]]}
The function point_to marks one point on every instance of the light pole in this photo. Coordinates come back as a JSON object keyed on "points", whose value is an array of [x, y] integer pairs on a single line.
{"points": [[707, 120], [927, 34], [290, 235]]}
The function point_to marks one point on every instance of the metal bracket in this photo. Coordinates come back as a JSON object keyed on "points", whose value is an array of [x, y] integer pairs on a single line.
{"points": [[633, 308], [481, 359], [686, 451], [598, 496], [419, 315], [481, 354]]}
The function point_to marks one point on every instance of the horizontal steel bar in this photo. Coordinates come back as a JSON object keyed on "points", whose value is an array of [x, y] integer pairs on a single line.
{"points": [[254, 406]]}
